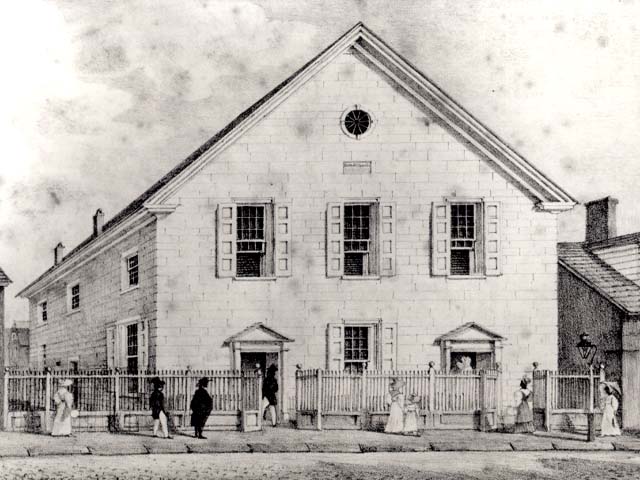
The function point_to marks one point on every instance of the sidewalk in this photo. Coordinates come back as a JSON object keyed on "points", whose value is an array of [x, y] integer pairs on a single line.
{"points": [[286, 440]]}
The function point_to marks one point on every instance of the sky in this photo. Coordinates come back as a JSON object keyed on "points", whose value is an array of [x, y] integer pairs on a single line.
{"points": [[99, 99]]}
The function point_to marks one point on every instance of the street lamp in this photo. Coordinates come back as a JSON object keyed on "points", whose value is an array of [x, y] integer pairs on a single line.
{"points": [[587, 353], [586, 348]]}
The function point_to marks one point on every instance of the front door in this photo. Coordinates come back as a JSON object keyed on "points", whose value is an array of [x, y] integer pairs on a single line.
{"points": [[251, 361]]}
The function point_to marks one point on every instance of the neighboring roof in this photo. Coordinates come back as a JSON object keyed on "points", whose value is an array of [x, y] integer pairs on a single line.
{"points": [[4, 280], [374, 50], [616, 241], [597, 274], [257, 332], [462, 333]]}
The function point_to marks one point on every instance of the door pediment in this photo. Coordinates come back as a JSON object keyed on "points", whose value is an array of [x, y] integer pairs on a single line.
{"points": [[257, 333]]}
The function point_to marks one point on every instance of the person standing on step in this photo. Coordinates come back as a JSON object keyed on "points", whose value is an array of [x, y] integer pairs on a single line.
{"points": [[201, 406], [158, 413], [270, 394], [524, 415]]}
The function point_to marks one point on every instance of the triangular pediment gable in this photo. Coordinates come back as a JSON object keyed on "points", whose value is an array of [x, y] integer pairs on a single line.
{"points": [[470, 332], [259, 333]]}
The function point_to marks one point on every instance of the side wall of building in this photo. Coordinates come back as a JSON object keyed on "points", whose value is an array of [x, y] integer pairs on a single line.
{"points": [[582, 309], [296, 155], [81, 335]]}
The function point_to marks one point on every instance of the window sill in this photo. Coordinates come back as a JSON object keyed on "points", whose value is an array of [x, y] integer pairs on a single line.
{"points": [[129, 289], [360, 277], [467, 277], [73, 312], [254, 279]]}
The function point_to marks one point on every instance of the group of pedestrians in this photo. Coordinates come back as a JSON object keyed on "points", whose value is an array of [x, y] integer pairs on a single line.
{"points": [[403, 411]]}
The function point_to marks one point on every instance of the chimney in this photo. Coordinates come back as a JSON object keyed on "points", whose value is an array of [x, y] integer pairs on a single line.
{"points": [[98, 222], [601, 219], [58, 253]]}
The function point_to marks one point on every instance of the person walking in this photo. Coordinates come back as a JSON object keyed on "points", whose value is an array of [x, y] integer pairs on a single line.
{"points": [[201, 406], [64, 406], [609, 405], [158, 413], [524, 416], [270, 394], [395, 398]]}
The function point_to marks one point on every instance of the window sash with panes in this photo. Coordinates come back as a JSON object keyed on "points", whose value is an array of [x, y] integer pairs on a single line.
{"points": [[75, 297], [43, 312], [358, 240], [132, 355], [464, 239], [251, 241], [132, 270], [356, 348]]}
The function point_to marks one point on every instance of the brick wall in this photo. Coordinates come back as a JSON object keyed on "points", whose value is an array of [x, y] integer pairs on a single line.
{"points": [[296, 154], [82, 334]]}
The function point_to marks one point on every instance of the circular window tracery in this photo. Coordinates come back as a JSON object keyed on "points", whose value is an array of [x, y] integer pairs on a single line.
{"points": [[356, 122]]}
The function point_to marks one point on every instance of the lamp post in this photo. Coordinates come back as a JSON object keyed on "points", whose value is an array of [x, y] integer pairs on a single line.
{"points": [[587, 352]]}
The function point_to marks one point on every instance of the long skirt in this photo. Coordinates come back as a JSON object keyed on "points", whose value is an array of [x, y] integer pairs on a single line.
{"points": [[62, 422], [395, 424], [524, 419], [609, 424]]}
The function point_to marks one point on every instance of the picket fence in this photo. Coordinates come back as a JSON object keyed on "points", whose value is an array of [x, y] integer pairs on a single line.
{"points": [[114, 400], [323, 394]]}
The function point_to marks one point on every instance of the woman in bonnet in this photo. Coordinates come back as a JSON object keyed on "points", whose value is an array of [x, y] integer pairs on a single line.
{"points": [[64, 405]]}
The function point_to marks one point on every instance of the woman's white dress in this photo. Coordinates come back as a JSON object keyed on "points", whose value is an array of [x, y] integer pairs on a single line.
{"points": [[62, 421], [609, 424], [395, 424]]}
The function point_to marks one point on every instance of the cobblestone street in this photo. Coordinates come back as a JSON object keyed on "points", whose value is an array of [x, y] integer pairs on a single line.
{"points": [[376, 466]]}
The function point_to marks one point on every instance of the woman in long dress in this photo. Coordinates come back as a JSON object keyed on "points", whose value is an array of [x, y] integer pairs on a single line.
{"points": [[395, 398], [411, 408], [524, 416], [64, 404], [609, 425]]}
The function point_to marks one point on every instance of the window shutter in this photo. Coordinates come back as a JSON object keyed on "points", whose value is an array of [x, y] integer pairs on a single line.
{"points": [[335, 346], [283, 240], [111, 348], [440, 238], [387, 239], [226, 240], [388, 345], [493, 260], [143, 345], [335, 240]]}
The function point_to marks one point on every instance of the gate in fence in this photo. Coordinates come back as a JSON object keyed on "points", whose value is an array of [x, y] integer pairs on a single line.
{"points": [[113, 400], [338, 399], [562, 400]]}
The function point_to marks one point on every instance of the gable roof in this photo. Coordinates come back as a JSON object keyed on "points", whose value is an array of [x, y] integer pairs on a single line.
{"points": [[375, 52], [601, 277], [257, 332], [4, 279], [460, 333]]}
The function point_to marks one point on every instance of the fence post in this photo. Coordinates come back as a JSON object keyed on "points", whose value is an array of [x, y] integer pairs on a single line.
{"points": [[259, 398], [116, 400], [319, 399], [364, 422], [47, 399], [499, 416], [483, 402], [432, 387], [547, 400], [187, 389], [5, 399]]}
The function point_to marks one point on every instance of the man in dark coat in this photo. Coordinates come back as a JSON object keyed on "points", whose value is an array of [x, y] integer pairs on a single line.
{"points": [[201, 406], [270, 393], [156, 403]]}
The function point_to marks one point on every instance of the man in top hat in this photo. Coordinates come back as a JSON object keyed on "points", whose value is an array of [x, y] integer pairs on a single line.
{"points": [[156, 403], [201, 406], [270, 394]]}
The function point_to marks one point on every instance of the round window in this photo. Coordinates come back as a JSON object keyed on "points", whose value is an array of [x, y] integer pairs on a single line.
{"points": [[356, 122]]}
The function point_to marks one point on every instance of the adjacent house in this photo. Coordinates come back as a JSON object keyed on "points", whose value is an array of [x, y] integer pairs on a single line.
{"points": [[4, 282], [599, 294], [356, 217], [16, 346]]}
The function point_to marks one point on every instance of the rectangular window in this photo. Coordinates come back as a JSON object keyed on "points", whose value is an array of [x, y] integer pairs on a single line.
{"points": [[44, 355], [43, 312], [132, 270], [251, 241], [356, 348], [132, 355], [465, 238], [75, 297]]}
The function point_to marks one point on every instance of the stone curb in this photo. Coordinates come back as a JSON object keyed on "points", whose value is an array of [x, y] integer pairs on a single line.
{"points": [[471, 447], [260, 447], [328, 447], [218, 448], [626, 448], [47, 450], [584, 446], [381, 447], [13, 452], [531, 447], [114, 450]]}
